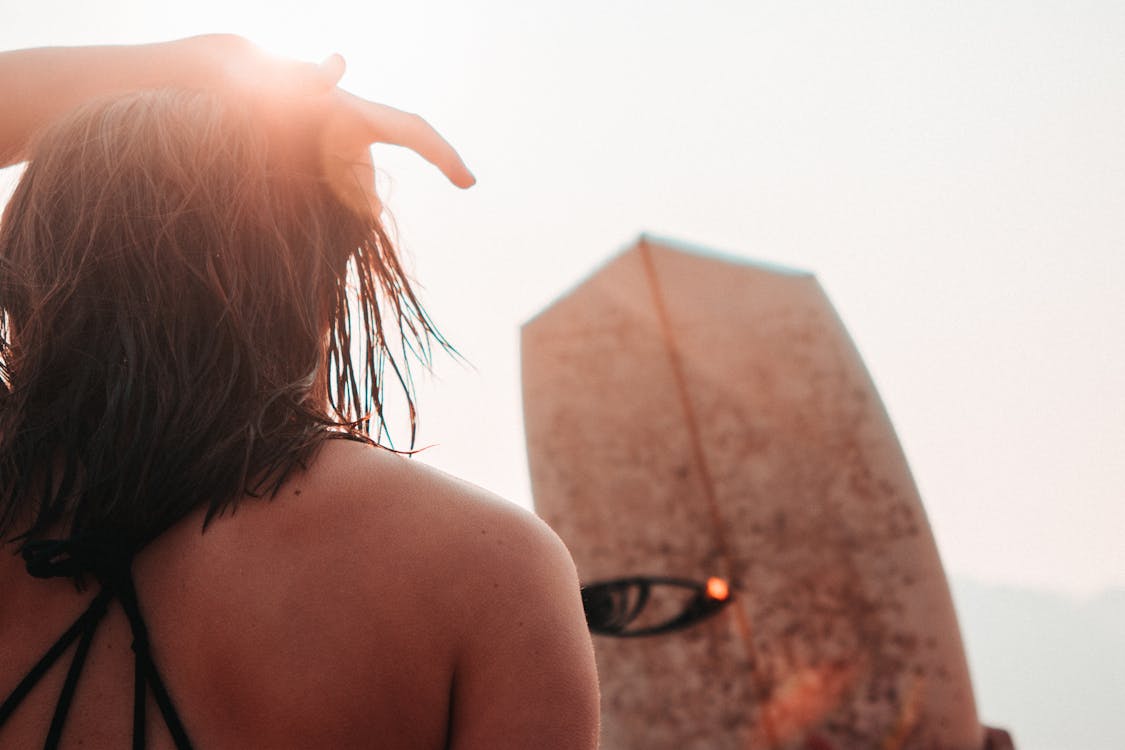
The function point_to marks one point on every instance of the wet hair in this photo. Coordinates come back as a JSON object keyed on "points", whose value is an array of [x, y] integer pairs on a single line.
{"points": [[178, 283]]}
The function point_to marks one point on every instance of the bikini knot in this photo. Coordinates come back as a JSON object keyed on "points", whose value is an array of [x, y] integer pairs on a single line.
{"points": [[69, 558]]}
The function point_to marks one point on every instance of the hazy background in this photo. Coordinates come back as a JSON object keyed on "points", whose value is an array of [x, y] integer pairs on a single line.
{"points": [[954, 173]]}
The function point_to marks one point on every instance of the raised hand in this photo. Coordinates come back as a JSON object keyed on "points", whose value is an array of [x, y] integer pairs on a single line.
{"points": [[355, 124], [347, 125]]}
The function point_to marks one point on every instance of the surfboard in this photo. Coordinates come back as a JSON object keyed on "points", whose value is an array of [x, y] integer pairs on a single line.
{"points": [[697, 417]]}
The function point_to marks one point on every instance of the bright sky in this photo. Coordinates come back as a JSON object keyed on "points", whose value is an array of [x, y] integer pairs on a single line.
{"points": [[954, 173]]}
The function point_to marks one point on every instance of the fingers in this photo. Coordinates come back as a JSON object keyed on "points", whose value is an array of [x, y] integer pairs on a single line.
{"points": [[393, 126], [352, 123], [331, 70], [998, 739], [301, 79], [256, 72]]}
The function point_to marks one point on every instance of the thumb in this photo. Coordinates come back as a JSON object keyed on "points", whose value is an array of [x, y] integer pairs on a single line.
{"points": [[309, 79]]}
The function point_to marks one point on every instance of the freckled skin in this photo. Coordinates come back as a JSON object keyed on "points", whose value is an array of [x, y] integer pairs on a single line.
{"points": [[357, 609]]}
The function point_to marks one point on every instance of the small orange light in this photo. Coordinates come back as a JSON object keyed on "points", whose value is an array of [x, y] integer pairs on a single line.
{"points": [[717, 589]]}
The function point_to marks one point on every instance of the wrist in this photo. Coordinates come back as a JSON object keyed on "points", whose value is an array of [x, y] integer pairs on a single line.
{"points": [[207, 61]]}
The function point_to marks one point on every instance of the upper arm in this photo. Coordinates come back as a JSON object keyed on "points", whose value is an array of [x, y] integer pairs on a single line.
{"points": [[525, 676], [39, 85]]}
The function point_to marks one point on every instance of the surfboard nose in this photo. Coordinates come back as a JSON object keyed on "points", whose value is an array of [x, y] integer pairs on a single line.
{"points": [[694, 416]]}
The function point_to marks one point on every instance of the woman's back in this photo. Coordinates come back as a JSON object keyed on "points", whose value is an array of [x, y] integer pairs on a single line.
{"points": [[373, 602]]}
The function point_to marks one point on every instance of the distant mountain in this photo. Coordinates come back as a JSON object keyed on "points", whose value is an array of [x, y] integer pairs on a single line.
{"points": [[1047, 667]]}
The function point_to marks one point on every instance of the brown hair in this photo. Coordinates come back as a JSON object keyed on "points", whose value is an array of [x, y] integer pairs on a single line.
{"points": [[177, 278]]}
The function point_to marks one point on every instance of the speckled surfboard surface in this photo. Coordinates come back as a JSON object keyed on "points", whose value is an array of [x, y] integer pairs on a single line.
{"points": [[695, 415]]}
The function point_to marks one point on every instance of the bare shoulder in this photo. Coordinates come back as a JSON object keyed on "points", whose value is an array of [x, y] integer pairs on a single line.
{"points": [[389, 526], [524, 673], [364, 492], [397, 589], [367, 514], [496, 564]]}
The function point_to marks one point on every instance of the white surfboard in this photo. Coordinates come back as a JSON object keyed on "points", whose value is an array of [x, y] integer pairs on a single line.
{"points": [[696, 417]]}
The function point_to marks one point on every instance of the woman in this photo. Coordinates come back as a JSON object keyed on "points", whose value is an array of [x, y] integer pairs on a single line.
{"points": [[184, 432]]}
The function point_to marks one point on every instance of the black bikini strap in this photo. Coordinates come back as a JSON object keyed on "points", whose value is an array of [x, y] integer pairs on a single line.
{"points": [[85, 625], [140, 700], [145, 672], [54, 735], [113, 568]]}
